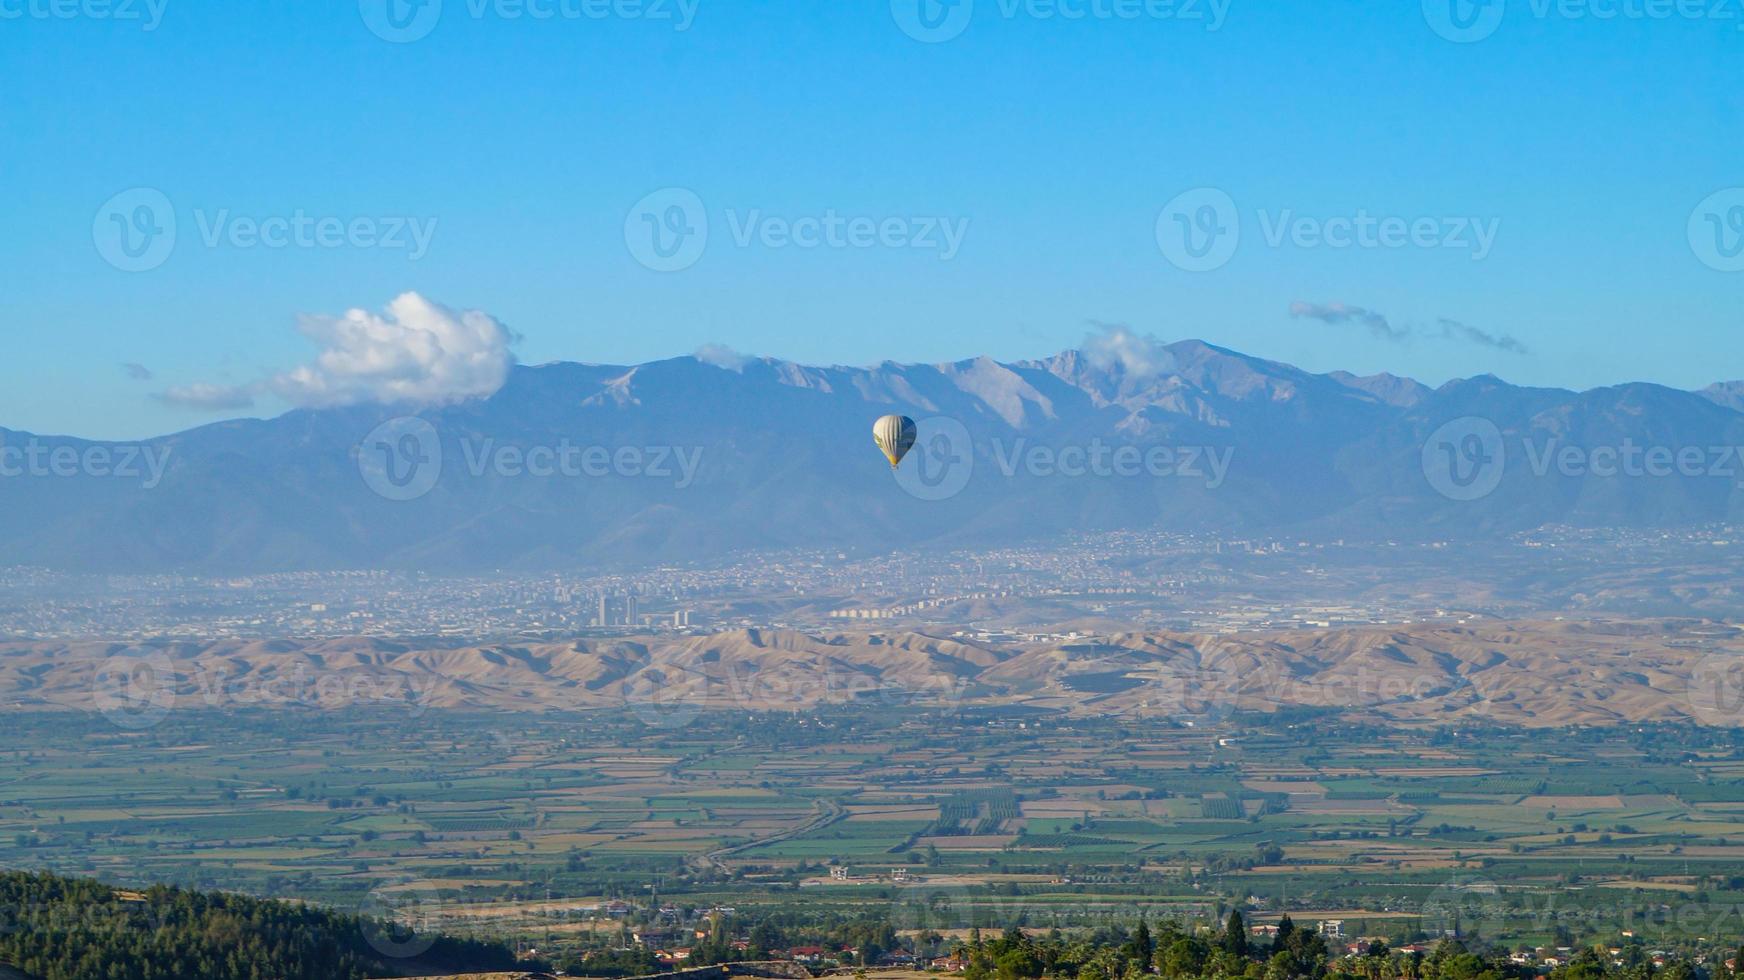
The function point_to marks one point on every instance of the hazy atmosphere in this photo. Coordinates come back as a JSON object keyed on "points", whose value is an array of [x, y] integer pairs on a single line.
{"points": [[1019, 489]]}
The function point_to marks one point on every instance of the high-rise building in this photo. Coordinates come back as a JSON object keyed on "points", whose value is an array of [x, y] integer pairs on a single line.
{"points": [[604, 619], [629, 610]]}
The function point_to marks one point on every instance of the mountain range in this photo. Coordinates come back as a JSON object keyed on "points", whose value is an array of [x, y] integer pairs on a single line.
{"points": [[572, 465]]}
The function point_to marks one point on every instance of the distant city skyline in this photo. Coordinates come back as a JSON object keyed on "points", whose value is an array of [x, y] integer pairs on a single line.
{"points": [[1538, 192]]}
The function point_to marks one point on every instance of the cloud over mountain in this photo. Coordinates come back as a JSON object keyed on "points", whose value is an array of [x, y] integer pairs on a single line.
{"points": [[202, 396], [1341, 313], [1380, 326], [416, 352], [723, 357], [1137, 355]]}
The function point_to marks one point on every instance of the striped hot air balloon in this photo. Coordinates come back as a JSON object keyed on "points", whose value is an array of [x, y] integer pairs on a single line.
{"points": [[894, 435]]}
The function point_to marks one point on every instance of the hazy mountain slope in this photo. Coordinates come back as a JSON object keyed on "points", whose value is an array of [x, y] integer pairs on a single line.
{"points": [[696, 460]]}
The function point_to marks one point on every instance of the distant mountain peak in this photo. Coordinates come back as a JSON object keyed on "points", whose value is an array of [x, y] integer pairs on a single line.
{"points": [[1389, 388], [1727, 393]]}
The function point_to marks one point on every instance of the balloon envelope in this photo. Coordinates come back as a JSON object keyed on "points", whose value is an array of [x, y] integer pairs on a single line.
{"points": [[894, 434]]}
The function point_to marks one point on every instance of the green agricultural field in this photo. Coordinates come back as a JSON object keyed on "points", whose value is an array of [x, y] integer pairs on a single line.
{"points": [[1371, 826]]}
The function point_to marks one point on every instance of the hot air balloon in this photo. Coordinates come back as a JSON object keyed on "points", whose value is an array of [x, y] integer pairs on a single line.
{"points": [[894, 434]]}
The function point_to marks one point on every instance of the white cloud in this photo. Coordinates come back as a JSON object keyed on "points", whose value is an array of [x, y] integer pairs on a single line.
{"points": [[1140, 356], [723, 357], [205, 397], [415, 352]]}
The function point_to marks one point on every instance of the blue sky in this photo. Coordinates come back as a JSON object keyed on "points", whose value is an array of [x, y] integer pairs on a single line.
{"points": [[1586, 144]]}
